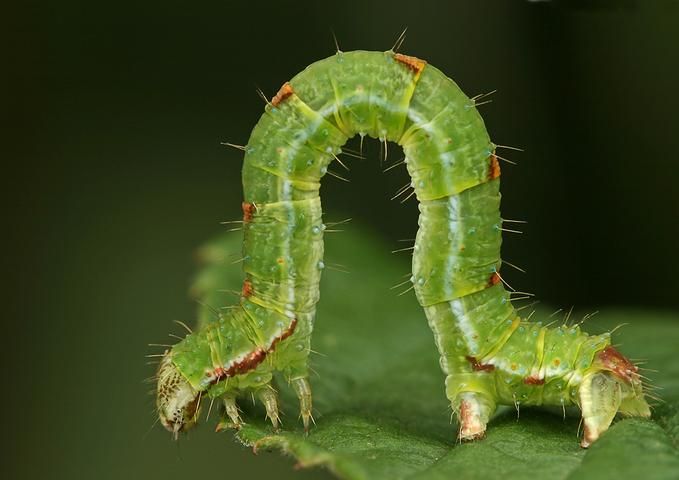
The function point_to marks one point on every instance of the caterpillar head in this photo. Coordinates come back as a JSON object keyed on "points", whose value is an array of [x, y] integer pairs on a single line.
{"points": [[626, 374], [177, 402]]}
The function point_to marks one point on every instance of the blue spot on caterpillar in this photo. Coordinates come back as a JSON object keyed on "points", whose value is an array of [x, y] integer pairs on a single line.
{"points": [[489, 354]]}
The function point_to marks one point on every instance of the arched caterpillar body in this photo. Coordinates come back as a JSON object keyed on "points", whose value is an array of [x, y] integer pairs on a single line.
{"points": [[489, 354]]}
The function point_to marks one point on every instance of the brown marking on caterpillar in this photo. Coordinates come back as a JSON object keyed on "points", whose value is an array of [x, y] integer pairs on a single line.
{"points": [[251, 361], [289, 331], [248, 363], [248, 211], [588, 437], [494, 279], [217, 374], [247, 289], [413, 63], [478, 366], [614, 361], [532, 380], [284, 92], [494, 167]]}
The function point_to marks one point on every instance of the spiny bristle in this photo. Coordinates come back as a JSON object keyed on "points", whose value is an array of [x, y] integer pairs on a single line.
{"points": [[236, 293], [341, 222], [518, 292], [625, 324], [478, 104], [233, 145], [399, 284], [405, 249], [408, 197], [336, 267], [340, 162], [505, 159], [518, 299], [406, 291], [399, 41], [262, 95], [504, 282], [481, 96], [182, 324], [527, 306], [514, 266], [517, 149], [391, 167], [351, 153], [339, 177], [334, 37]]}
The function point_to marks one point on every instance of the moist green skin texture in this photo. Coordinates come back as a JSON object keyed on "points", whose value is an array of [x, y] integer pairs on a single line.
{"points": [[456, 251]]}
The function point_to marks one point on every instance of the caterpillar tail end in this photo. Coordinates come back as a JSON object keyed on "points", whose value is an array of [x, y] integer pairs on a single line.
{"points": [[612, 386]]}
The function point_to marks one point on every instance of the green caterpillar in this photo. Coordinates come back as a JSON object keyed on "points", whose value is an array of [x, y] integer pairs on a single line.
{"points": [[489, 354]]}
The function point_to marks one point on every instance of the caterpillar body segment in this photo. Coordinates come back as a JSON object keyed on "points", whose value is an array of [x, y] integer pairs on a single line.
{"points": [[490, 356]]}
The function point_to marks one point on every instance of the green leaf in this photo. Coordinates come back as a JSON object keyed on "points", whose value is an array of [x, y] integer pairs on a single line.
{"points": [[379, 400]]}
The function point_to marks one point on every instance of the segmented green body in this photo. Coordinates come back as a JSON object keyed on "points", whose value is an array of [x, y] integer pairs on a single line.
{"points": [[486, 349]]}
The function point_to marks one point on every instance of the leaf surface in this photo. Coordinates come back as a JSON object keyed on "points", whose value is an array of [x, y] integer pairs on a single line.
{"points": [[379, 401]]}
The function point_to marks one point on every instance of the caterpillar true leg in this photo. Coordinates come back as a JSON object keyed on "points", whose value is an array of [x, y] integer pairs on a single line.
{"points": [[491, 356], [231, 409], [267, 395], [303, 391]]}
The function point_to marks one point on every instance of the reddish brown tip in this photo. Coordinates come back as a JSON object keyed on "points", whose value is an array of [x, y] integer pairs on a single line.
{"points": [[248, 211], [247, 289], [533, 381], [478, 366], [413, 63], [494, 279], [284, 92], [614, 361], [493, 167]]}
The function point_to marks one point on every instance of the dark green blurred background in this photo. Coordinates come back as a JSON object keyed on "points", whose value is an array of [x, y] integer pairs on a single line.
{"points": [[114, 170]]}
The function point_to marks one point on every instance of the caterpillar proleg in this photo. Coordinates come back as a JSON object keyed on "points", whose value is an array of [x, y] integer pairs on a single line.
{"points": [[489, 354]]}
